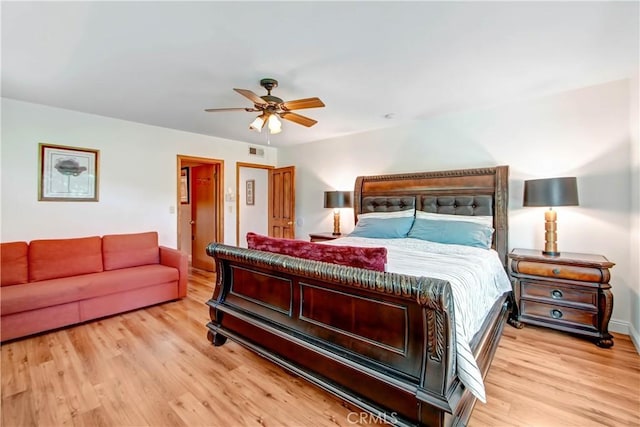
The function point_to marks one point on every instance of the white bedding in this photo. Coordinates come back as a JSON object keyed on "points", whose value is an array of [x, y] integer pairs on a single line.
{"points": [[477, 279]]}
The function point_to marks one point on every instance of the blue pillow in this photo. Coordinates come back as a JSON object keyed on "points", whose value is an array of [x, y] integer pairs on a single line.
{"points": [[382, 228], [452, 232]]}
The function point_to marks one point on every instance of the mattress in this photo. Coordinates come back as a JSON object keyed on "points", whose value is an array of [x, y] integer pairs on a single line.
{"points": [[477, 280]]}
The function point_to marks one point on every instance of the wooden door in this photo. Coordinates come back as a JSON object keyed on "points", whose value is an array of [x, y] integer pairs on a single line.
{"points": [[282, 200], [203, 215]]}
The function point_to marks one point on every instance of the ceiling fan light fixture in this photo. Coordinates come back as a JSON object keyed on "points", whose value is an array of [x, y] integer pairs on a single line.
{"points": [[258, 123], [275, 126], [273, 109]]}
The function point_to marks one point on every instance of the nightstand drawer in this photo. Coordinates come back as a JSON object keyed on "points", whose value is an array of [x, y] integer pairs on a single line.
{"points": [[571, 272], [559, 293], [559, 315]]}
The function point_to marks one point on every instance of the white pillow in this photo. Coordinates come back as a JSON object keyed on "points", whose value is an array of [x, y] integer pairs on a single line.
{"points": [[478, 219], [393, 214]]}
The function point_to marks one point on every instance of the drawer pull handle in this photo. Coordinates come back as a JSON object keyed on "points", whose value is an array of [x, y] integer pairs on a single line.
{"points": [[556, 294], [556, 271], [556, 314]]}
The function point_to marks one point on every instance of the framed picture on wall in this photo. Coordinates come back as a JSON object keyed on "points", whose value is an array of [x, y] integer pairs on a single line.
{"points": [[67, 174], [184, 186], [251, 189]]}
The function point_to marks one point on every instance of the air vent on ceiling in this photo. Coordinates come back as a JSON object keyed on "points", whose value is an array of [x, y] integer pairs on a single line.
{"points": [[255, 151]]}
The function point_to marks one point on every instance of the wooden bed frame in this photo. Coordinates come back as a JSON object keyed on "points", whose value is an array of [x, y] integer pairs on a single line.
{"points": [[383, 342]]}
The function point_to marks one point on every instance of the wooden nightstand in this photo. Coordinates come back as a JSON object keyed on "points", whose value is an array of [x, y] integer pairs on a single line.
{"points": [[323, 237], [570, 292]]}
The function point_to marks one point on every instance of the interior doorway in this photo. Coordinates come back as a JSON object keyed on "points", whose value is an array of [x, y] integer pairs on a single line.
{"points": [[200, 207], [269, 207], [252, 202]]}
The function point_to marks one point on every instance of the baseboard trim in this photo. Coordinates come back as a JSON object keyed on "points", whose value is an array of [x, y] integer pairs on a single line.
{"points": [[626, 328]]}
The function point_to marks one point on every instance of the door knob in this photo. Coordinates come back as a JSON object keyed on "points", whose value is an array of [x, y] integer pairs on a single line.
{"points": [[290, 223], [192, 222]]}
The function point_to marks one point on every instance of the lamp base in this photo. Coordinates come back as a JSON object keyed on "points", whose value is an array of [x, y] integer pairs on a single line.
{"points": [[336, 222], [550, 235]]}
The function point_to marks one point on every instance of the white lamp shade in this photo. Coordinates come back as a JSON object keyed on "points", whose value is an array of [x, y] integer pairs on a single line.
{"points": [[257, 124], [274, 124]]}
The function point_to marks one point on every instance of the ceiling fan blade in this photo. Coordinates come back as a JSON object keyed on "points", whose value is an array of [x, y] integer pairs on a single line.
{"points": [[299, 104], [252, 96], [297, 118], [214, 110]]}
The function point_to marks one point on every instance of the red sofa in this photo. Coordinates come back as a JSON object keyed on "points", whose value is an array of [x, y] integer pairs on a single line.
{"points": [[47, 284]]}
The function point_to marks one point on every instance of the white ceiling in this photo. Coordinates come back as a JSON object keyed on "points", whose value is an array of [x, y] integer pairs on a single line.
{"points": [[163, 63]]}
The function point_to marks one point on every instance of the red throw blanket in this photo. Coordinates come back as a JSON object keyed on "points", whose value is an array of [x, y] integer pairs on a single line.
{"points": [[353, 256]]}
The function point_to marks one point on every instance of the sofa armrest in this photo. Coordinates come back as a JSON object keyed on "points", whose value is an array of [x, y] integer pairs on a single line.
{"points": [[174, 258]]}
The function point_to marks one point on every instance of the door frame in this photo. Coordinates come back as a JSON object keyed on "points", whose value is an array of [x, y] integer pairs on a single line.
{"points": [[238, 166], [218, 165]]}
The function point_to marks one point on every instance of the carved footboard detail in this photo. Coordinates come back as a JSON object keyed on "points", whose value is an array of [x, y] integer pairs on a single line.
{"points": [[384, 342]]}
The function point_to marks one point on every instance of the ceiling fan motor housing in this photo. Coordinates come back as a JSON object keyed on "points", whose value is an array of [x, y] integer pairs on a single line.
{"points": [[272, 99]]}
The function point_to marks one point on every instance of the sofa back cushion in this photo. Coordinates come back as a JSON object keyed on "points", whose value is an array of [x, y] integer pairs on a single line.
{"points": [[353, 256], [130, 250], [50, 259], [14, 268]]}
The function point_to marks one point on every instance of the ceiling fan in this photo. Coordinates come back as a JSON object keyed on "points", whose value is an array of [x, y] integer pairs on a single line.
{"points": [[272, 107]]}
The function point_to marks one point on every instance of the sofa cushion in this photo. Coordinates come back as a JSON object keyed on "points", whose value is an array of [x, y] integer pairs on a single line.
{"points": [[354, 256], [52, 292], [50, 259], [125, 279], [31, 296], [130, 250], [14, 263]]}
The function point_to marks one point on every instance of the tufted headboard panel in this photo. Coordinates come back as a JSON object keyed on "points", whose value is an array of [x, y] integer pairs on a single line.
{"points": [[387, 204], [457, 205], [480, 191]]}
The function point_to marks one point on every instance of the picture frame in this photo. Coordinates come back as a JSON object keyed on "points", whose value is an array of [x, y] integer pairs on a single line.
{"points": [[185, 192], [251, 189], [67, 174]]}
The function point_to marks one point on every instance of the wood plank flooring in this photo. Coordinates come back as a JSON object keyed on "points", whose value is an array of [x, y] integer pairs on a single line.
{"points": [[155, 367]]}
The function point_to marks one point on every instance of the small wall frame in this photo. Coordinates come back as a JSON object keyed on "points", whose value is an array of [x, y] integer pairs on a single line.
{"points": [[185, 190], [67, 174], [251, 190]]}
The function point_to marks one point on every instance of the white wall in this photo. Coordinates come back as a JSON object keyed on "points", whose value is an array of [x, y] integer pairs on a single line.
{"points": [[253, 217], [137, 175], [582, 133]]}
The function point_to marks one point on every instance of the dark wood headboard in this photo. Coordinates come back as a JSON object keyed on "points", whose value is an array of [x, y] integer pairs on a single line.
{"points": [[493, 182]]}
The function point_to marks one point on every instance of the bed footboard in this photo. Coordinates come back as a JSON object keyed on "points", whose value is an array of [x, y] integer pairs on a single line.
{"points": [[383, 342]]}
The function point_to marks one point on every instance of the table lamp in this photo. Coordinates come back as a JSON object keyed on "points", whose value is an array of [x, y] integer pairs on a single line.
{"points": [[551, 192], [337, 200]]}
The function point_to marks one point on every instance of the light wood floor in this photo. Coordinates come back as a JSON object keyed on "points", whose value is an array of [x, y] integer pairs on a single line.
{"points": [[155, 367]]}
